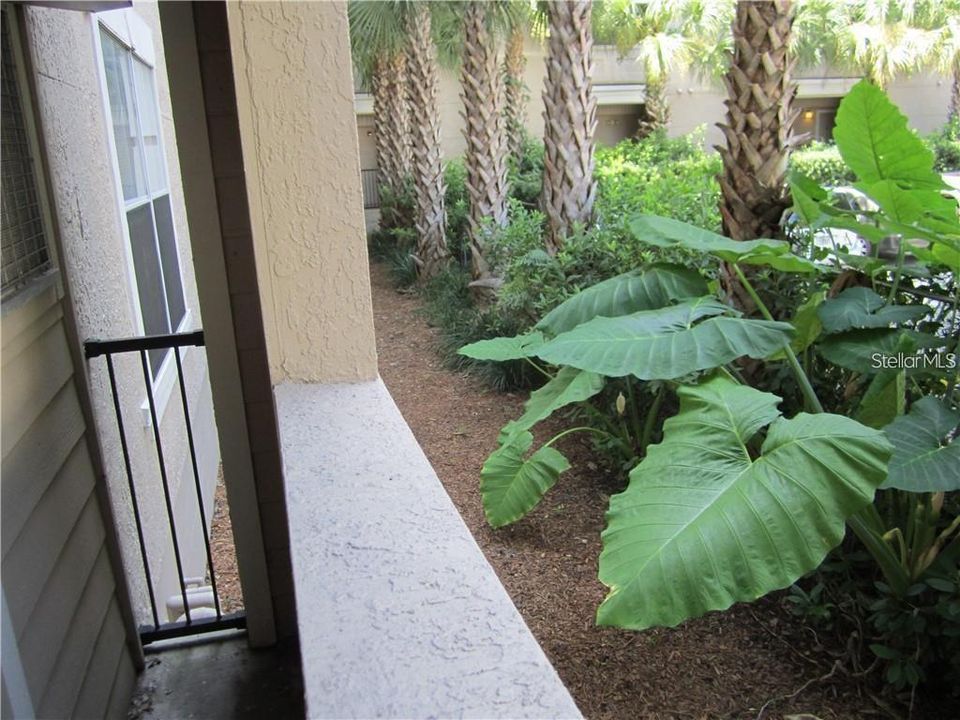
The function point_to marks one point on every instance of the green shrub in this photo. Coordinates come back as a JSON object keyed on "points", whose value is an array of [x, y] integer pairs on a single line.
{"points": [[674, 177], [525, 178], [397, 206], [447, 306], [458, 210], [525, 174], [822, 163], [945, 144]]}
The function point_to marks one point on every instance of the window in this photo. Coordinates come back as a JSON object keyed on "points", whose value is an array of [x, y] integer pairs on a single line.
{"points": [[135, 117], [22, 236]]}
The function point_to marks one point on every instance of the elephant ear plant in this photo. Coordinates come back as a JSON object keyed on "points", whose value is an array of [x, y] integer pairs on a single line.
{"points": [[738, 500]]}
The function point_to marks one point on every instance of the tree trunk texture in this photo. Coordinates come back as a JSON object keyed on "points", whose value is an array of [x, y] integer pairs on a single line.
{"points": [[955, 93], [515, 110], [485, 158], [426, 162], [570, 121], [759, 119], [391, 121], [656, 108]]}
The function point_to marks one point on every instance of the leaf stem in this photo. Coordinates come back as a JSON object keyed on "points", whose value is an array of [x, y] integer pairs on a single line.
{"points": [[582, 428], [538, 368], [813, 402], [867, 526], [901, 244], [634, 414], [651, 420]]}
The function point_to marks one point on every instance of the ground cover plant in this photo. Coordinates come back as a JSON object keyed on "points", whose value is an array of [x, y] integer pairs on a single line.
{"points": [[739, 497]]}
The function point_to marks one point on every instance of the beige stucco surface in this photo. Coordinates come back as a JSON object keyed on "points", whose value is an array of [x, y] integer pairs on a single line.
{"points": [[298, 130]]}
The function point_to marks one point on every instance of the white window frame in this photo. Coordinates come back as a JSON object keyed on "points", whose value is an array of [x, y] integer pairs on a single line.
{"points": [[127, 28]]}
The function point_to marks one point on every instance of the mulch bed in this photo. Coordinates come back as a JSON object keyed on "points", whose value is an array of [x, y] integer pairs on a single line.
{"points": [[752, 661], [223, 552]]}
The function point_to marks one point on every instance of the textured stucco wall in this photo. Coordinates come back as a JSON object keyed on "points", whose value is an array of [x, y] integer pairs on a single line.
{"points": [[924, 99], [70, 100], [298, 129]]}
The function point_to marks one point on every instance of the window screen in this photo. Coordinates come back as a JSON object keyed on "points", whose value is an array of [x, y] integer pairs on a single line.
{"points": [[24, 245]]}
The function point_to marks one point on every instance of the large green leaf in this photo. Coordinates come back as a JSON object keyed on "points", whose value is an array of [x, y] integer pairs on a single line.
{"points": [[926, 456], [504, 348], [510, 486], [884, 399], [870, 351], [703, 523], [569, 386], [654, 287], [667, 343], [860, 308], [874, 140], [668, 233], [808, 197]]}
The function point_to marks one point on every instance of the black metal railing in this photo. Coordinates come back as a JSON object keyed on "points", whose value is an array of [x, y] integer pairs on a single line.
{"points": [[370, 180], [142, 345]]}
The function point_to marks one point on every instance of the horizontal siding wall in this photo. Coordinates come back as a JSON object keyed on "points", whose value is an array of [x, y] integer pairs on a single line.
{"points": [[58, 583]]}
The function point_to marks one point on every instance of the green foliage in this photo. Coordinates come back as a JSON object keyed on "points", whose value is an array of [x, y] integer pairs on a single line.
{"points": [[394, 243], [447, 306], [525, 174], [510, 486], [706, 522], [673, 177], [397, 207], [567, 386], [457, 204], [821, 162], [945, 145], [670, 233], [860, 307], [655, 286], [926, 456], [665, 344], [735, 499], [920, 632]]}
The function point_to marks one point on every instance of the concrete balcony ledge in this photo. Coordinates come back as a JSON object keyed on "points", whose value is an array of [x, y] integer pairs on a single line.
{"points": [[399, 613]]}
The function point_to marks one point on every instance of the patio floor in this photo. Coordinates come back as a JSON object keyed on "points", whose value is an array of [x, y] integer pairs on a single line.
{"points": [[219, 679]]}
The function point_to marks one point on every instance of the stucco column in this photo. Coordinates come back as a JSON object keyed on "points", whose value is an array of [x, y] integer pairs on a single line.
{"points": [[294, 86]]}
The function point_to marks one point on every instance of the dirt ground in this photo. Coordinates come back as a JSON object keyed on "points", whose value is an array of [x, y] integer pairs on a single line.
{"points": [[753, 661], [223, 553]]}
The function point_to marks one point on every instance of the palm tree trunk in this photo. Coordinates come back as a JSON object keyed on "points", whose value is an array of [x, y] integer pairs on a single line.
{"points": [[570, 120], [515, 110], [955, 93], [656, 108], [760, 92], [391, 126], [427, 165], [485, 158]]}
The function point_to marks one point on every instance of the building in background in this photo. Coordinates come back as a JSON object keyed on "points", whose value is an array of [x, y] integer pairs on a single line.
{"points": [[695, 103]]}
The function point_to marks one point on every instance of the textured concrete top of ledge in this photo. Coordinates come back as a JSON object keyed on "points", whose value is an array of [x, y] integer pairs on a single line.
{"points": [[400, 615]]}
